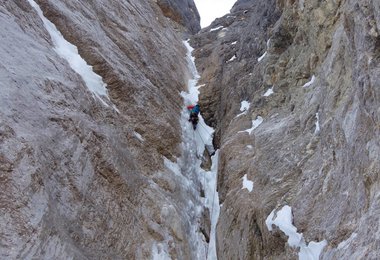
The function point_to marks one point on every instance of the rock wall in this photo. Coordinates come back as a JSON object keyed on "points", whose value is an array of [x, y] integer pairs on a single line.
{"points": [[79, 179], [317, 148], [183, 12]]}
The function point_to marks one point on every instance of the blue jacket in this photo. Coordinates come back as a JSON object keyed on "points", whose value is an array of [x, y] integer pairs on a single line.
{"points": [[196, 109]]}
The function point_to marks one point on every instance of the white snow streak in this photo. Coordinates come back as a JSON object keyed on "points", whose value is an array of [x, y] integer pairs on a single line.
{"points": [[138, 136], [308, 84], [317, 126], [232, 59], [269, 92], [262, 57], [69, 52], [255, 124], [283, 220], [247, 184], [265, 53], [216, 28]]}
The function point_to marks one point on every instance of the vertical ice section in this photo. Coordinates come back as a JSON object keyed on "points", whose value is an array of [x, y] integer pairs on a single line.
{"points": [[202, 137], [212, 203], [69, 52]]}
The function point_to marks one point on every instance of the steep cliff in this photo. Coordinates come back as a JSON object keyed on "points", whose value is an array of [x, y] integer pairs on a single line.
{"points": [[307, 135], [83, 175], [183, 12]]}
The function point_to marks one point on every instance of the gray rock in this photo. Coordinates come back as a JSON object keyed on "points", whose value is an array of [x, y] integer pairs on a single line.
{"points": [[329, 177]]}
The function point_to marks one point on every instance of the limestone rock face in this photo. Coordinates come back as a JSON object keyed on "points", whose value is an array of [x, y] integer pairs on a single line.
{"points": [[79, 179], [317, 149], [183, 12]]}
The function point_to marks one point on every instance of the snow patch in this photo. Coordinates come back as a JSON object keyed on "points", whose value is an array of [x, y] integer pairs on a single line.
{"points": [[312, 250], [244, 107], [255, 124], [216, 28], [262, 57], [308, 84], [69, 52], [283, 220], [247, 184], [269, 92], [233, 43]]}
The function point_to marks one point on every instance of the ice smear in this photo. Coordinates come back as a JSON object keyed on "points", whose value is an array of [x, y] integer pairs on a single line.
{"points": [[262, 57], [269, 92], [308, 84], [216, 28], [69, 52], [244, 107], [247, 184], [283, 220], [255, 124], [317, 126]]}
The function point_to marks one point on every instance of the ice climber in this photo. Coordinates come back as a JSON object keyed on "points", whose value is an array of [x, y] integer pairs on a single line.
{"points": [[194, 111]]}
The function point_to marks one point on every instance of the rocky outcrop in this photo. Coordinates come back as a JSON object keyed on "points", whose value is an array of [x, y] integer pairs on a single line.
{"points": [[316, 149], [79, 179], [183, 12]]}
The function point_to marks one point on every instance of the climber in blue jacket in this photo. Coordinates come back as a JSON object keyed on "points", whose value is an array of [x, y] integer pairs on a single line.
{"points": [[194, 111]]}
